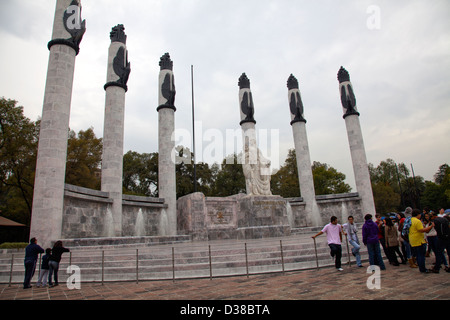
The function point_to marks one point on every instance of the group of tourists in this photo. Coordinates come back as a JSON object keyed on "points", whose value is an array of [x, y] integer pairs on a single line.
{"points": [[409, 236], [49, 263]]}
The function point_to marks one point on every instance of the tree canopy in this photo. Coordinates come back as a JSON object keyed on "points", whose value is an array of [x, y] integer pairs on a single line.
{"points": [[18, 150]]}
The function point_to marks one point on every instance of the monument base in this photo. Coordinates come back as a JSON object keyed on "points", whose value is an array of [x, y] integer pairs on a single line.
{"points": [[235, 217], [262, 217]]}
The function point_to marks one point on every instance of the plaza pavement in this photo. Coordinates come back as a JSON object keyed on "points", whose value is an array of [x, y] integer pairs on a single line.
{"points": [[397, 283]]}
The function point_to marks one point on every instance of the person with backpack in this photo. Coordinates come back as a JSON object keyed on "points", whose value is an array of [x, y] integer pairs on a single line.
{"points": [[417, 239], [370, 239], [404, 225], [441, 225]]}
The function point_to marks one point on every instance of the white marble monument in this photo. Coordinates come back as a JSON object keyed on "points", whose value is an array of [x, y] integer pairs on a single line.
{"points": [[256, 168], [113, 133], [355, 139], [166, 165], [305, 175], [48, 199]]}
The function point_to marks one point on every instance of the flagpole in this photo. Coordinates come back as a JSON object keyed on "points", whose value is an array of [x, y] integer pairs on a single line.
{"points": [[193, 129]]}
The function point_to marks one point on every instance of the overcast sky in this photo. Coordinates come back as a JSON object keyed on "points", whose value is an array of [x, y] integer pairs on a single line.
{"points": [[397, 54]]}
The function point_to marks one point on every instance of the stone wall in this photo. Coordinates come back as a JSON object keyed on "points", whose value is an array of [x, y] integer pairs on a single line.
{"points": [[141, 216], [338, 205], [213, 218], [87, 214]]}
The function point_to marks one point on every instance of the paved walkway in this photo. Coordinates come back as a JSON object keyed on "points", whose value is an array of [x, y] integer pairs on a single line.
{"points": [[398, 283]]}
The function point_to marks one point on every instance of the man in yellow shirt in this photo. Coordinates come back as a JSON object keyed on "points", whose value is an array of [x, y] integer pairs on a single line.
{"points": [[417, 239]]}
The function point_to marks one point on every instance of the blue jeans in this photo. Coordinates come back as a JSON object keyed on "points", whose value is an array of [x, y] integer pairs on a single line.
{"points": [[375, 255], [419, 252], [407, 249], [30, 267], [432, 243], [355, 250], [53, 269]]}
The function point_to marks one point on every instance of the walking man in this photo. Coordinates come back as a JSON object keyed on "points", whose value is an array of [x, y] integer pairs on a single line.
{"points": [[352, 232], [334, 238]]}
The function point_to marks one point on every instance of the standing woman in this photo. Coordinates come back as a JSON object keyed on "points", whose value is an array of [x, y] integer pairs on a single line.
{"points": [[54, 261], [432, 239], [392, 244]]}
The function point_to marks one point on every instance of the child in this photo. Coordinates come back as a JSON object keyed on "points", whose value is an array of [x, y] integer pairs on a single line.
{"points": [[43, 275]]}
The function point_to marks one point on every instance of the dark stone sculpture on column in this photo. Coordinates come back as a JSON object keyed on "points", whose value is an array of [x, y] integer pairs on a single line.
{"points": [[76, 30], [121, 65], [168, 91], [247, 106], [347, 95], [295, 100]]}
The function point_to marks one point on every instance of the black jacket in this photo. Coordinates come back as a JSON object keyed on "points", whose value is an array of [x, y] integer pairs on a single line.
{"points": [[32, 251], [57, 253]]}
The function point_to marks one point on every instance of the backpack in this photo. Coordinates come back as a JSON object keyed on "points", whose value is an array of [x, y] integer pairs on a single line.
{"points": [[442, 225], [405, 230]]}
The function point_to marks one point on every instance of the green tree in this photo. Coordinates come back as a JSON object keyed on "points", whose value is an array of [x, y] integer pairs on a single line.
{"points": [[18, 150], [140, 174], [84, 156], [385, 198], [185, 174], [387, 173], [230, 179], [327, 180], [285, 182], [437, 194], [442, 174]]}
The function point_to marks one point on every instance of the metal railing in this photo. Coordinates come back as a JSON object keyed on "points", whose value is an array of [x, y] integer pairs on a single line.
{"points": [[186, 261]]}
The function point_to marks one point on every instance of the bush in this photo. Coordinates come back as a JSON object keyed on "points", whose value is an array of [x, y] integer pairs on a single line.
{"points": [[13, 245]]}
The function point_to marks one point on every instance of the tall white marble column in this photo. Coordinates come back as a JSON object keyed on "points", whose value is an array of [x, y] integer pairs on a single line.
{"points": [[48, 199], [256, 168], [356, 142], [166, 159], [113, 133], [305, 175]]}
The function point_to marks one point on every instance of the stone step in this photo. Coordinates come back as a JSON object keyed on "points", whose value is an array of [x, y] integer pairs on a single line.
{"points": [[189, 260], [123, 242]]}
